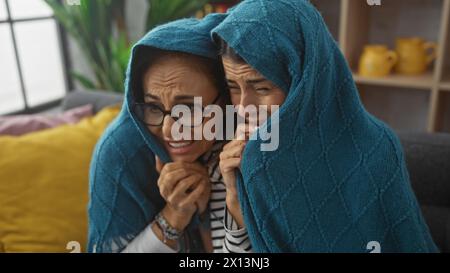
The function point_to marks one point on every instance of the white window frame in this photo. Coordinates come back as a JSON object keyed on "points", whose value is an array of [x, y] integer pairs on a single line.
{"points": [[9, 21]]}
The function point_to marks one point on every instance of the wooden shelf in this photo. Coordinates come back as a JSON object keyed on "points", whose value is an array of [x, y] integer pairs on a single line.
{"points": [[424, 81], [361, 24], [357, 24]]}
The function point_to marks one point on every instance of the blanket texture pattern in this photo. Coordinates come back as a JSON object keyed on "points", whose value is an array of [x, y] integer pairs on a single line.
{"points": [[338, 180]]}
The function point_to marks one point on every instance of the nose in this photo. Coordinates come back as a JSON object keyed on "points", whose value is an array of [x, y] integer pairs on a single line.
{"points": [[246, 99], [167, 126]]}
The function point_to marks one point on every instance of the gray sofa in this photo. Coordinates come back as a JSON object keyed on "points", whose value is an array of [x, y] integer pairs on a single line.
{"points": [[99, 99], [427, 156], [428, 160]]}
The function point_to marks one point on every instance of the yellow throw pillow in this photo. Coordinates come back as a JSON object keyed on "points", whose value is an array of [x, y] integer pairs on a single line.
{"points": [[44, 185]]}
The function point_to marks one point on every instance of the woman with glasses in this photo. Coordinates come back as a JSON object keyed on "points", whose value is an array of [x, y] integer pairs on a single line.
{"points": [[151, 191]]}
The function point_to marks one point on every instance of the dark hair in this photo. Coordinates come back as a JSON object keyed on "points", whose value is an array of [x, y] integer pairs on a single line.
{"points": [[149, 55], [229, 52]]}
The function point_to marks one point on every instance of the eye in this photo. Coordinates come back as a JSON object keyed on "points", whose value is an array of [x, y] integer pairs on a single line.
{"points": [[153, 108], [263, 90]]}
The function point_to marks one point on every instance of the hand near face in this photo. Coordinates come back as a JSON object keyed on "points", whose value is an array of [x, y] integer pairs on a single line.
{"points": [[230, 160], [186, 188]]}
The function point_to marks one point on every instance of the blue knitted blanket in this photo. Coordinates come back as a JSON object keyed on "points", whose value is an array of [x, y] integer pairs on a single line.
{"points": [[338, 181], [124, 196]]}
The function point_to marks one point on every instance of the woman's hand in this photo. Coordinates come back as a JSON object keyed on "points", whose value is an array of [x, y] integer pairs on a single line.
{"points": [[186, 188], [230, 160]]}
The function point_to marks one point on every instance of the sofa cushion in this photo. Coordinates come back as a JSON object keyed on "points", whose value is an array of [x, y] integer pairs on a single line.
{"points": [[24, 124], [44, 185]]}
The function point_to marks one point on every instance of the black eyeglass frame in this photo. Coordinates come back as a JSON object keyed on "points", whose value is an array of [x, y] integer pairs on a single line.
{"points": [[165, 112]]}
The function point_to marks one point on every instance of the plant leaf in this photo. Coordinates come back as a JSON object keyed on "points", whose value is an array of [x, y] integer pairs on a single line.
{"points": [[83, 80]]}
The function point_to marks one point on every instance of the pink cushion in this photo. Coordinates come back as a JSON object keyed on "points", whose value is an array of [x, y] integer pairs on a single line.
{"points": [[24, 124]]}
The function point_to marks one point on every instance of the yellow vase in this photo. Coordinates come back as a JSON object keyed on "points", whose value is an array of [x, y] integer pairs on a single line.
{"points": [[415, 55], [377, 61]]}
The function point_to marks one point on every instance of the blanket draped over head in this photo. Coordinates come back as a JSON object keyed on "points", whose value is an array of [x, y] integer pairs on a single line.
{"points": [[124, 196], [338, 181]]}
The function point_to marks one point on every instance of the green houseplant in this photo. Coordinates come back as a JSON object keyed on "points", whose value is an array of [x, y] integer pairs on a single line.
{"points": [[91, 24], [99, 28]]}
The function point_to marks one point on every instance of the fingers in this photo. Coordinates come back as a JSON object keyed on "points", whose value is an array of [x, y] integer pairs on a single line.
{"points": [[168, 181], [174, 174], [233, 149], [187, 185], [180, 191], [230, 159], [193, 167], [159, 164], [194, 196], [228, 165], [196, 200], [234, 143]]}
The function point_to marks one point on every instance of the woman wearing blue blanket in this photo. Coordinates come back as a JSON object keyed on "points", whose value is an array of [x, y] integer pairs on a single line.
{"points": [[149, 191], [338, 180]]}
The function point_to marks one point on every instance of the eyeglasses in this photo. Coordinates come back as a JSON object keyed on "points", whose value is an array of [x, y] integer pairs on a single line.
{"points": [[153, 115]]}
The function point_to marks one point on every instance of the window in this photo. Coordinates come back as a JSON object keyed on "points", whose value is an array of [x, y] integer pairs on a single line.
{"points": [[32, 71], [3, 15]]}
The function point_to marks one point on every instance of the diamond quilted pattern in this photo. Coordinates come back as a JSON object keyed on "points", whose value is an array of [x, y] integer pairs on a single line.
{"points": [[338, 179]]}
